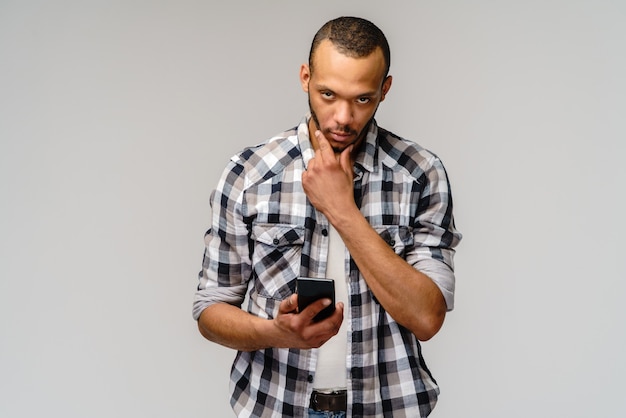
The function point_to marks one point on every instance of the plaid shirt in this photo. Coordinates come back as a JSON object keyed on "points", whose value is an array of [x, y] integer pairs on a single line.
{"points": [[264, 233]]}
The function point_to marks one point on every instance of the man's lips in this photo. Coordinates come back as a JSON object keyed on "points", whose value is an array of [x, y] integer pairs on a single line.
{"points": [[341, 136]]}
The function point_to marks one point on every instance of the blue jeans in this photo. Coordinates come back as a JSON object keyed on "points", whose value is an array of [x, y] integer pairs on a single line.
{"points": [[326, 414]]}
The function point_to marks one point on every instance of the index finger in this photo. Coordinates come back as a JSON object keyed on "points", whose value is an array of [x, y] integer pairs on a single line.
{"points": [[324, 148], [322, 306]]}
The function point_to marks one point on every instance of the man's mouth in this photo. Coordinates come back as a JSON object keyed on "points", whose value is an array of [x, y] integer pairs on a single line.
{"points": [[341, 136]]}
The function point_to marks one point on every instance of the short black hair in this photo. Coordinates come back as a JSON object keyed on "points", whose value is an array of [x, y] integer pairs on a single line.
{"points": [[354, 37]]}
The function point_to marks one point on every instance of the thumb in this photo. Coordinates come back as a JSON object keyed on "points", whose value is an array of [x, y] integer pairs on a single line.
{"points": [[290, 304]]}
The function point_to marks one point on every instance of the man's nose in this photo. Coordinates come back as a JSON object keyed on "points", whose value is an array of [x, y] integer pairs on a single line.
{"points": [[343, 113]]}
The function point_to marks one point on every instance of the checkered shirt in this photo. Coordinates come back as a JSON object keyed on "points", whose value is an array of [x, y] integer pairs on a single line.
{"points": [[264, 233]]}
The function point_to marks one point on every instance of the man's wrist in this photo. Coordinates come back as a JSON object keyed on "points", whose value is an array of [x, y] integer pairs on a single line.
{"points": [[344, 219]]}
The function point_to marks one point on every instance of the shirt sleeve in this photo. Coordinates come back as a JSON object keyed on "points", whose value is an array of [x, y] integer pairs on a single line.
{"points": [[435, 235], [226, 265], [442, 275]]}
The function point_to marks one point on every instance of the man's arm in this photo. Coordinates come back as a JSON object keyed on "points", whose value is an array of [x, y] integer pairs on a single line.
{"points": [[408, 295], [232, 327]]}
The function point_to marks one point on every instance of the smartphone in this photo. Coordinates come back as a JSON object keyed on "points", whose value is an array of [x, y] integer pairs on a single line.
{"points": [[310, 289]]}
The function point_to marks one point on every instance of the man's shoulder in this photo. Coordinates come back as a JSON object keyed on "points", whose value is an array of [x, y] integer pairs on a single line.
{"points": [[395, 150], [275, 147], [270, 156]]}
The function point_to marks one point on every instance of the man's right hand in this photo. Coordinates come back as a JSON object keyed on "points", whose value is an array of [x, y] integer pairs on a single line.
{"points": [[298, 330]]}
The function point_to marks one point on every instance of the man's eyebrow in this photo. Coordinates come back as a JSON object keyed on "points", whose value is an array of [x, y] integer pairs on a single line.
{"points": [[322, 87]]}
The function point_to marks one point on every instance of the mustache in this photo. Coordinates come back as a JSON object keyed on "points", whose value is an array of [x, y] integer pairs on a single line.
{"points": [[345, 129]]}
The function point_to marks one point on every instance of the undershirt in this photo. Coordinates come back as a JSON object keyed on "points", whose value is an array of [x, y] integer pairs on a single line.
{"points": [[332, 355]]}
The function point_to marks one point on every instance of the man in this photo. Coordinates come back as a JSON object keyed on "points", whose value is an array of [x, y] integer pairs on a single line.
{"points": [[339, 195]]}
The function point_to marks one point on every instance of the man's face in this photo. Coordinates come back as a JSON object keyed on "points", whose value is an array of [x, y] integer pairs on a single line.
{"points": [[344, 94]]}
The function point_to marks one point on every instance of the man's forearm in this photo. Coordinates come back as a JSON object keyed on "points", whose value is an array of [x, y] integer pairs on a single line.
{"points": [[232, 327], [409, 296]]}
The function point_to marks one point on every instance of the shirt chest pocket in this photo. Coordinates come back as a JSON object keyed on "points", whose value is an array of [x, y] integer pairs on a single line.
{"points": [[276, 258], [398, 237]]}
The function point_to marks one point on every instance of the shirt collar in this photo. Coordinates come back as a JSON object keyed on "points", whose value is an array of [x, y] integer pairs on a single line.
{"points": [[366, 158]]}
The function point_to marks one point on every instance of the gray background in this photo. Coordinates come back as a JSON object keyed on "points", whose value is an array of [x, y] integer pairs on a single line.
{"points": [[117, 117]]}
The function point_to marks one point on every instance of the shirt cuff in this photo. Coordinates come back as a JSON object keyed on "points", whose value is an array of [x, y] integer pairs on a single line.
{"points": [[442, 275], [212, 295]]}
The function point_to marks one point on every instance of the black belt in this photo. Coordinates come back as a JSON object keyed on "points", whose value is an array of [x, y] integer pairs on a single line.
{"points": [[337, 400]]}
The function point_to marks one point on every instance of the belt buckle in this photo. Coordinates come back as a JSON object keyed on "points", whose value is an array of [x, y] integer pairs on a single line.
{"points": [[332, 400]]}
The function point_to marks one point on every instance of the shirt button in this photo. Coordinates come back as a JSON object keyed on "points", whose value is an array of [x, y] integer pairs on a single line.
{"points": [[276, 241], [310, 378], [325, 232]]}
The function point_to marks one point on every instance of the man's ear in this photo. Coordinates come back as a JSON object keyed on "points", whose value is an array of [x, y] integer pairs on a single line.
{"points": [[305, 77], [386, 87]]}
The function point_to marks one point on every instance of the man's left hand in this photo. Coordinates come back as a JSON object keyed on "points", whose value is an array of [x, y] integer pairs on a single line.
{"points": [[328, 180]]}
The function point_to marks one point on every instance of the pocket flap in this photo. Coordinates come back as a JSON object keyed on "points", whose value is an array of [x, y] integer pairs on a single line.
{"points": [[278, 234]]}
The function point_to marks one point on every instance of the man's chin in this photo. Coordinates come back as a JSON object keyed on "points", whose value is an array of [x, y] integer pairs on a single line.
{"points": [[338, 147]]}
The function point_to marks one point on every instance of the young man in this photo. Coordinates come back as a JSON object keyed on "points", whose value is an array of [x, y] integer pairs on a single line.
{"points": [[337, 197]]}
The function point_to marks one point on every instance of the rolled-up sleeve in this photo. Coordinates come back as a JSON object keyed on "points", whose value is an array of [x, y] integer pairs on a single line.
{"points": [[209, 296], [226, 263], [442, 275], [435, 234]]}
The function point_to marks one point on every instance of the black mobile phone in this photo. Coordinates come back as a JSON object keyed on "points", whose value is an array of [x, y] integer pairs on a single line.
{"points": [[310, 289]]}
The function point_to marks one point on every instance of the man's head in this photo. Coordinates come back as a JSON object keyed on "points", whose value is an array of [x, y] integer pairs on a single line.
{"points": [[354, 37], [346, 79]]}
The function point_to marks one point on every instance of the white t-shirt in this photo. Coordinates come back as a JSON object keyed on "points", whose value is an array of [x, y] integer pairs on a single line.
{"points": [[332, 355]]}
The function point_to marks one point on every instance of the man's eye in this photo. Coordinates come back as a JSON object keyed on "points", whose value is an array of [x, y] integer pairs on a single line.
{"points": [[327, 95], [363, 100]]}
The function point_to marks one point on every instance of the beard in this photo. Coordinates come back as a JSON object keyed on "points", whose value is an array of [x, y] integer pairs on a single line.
{"points": [[345, 129]]}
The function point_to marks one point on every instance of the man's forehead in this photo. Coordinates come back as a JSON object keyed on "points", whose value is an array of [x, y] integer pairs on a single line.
{"points": [[327, 47], [331, 62], [330, 58]]}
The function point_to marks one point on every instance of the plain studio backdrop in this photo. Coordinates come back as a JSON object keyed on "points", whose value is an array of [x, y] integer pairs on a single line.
{"points": [[117, 118]]}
